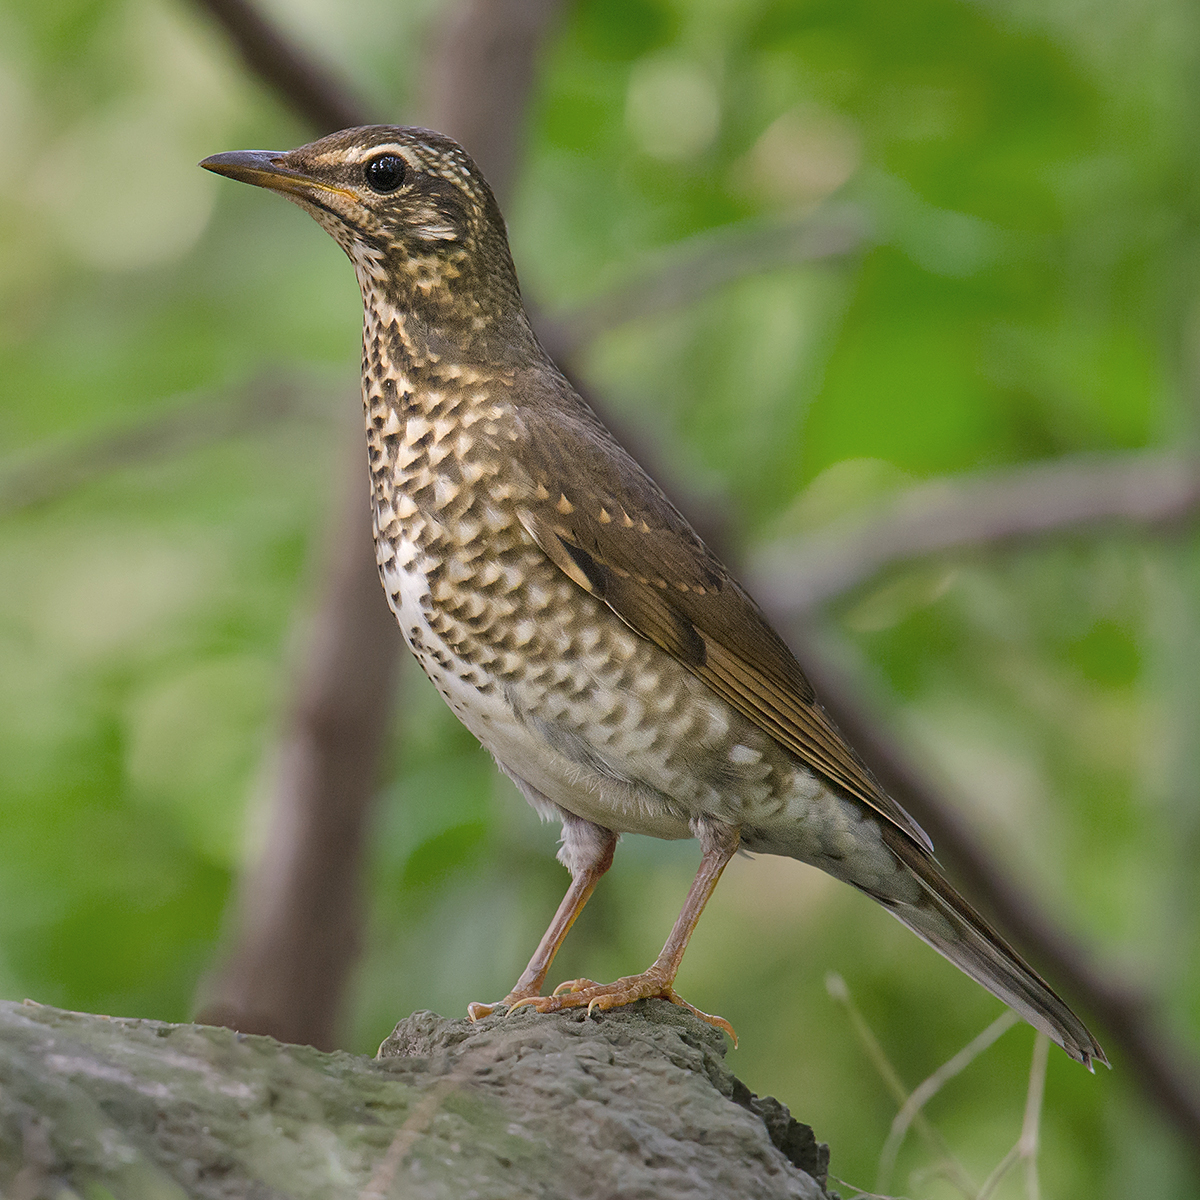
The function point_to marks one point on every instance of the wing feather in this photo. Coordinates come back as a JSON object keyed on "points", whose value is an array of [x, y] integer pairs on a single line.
{"points": [[610, 529]]}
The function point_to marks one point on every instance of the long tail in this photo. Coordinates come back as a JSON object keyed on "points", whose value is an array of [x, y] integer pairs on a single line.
{"points": [[954, 929]]}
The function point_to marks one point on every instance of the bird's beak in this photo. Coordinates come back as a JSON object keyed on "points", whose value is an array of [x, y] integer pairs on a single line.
{"points": [[265, 168]]}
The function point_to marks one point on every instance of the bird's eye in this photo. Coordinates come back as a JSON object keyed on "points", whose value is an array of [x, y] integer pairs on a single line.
{"points": [[385, 173]]}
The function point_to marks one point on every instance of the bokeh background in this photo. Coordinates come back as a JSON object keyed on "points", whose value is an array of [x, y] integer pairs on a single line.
{"points": [[1003, 269]]}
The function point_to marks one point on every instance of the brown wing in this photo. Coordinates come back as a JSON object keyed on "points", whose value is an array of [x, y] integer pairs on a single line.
{"points": [[605, 523]]}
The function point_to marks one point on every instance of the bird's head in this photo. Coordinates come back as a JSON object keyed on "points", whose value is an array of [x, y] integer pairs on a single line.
{"points": [[416, 217]]}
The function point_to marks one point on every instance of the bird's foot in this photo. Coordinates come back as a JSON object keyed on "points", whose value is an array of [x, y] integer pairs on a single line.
{"points": [[580, 993], [477, 1011]]}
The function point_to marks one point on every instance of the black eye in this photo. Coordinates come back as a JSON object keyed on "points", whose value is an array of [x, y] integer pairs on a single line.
{"points": [[385, 173]]}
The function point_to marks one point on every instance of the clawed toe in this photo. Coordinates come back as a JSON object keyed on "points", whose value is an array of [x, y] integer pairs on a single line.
{"points": [[574, 985], [534, 1002], [711, 1018], [477, 1011], [508, 1006]]}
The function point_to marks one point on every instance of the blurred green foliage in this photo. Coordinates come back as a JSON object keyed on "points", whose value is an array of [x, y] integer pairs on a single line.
{"points": [[1029, 289]]}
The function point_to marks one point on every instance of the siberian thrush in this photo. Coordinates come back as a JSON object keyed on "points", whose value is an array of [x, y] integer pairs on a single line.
{"points": [[569, 615]]}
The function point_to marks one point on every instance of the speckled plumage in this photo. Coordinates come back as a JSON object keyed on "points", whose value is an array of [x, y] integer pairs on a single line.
{"points": [[569, 615], [565, 695]]}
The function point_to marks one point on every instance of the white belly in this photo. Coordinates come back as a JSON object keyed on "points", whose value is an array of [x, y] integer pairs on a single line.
{"points": [[607, 797]]}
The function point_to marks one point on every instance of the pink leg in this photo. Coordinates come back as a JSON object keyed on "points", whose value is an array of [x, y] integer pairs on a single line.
{"points": [[583, 883], [720, 847]]}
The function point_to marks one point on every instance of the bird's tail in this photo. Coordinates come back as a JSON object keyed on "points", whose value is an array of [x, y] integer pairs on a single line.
{"points": [[944, 920]]}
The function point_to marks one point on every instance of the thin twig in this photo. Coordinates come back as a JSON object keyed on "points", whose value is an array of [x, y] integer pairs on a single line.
{"points": [[926, 1090], [379, 1186], [1146, 488], [1031, 1128], [955, 1172], [859, 1193], [1027, 1144], [701, 264], [473, 1061], [175, 427], [384, 1175]]}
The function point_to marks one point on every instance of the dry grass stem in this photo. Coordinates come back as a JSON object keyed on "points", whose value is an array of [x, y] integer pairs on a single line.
{"points": [[859, 1194], [953, 1170], [1027, 1144], [926, 1090]]}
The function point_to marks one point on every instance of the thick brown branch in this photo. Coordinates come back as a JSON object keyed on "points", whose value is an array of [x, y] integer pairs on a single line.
{"points": [[1146, 488], [312, 92], [640, 1103]]}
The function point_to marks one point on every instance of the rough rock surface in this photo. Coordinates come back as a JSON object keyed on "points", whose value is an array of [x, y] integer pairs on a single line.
{"points": [[631, 1104]]}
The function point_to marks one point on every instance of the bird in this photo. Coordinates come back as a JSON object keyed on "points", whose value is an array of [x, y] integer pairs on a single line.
{"points": [[568, 613]]}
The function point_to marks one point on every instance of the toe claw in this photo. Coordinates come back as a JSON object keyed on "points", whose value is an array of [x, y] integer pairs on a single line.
{"points": [[574, 985], [523, 1002], [719, 1022]]}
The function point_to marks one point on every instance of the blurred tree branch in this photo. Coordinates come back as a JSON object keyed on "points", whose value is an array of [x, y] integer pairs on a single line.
{"points": [[798, 575], [175, 428], [298, 911], [299, 906], [795, 578], [309, 91], [702, 264], [313, 93], [479, 77]]}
